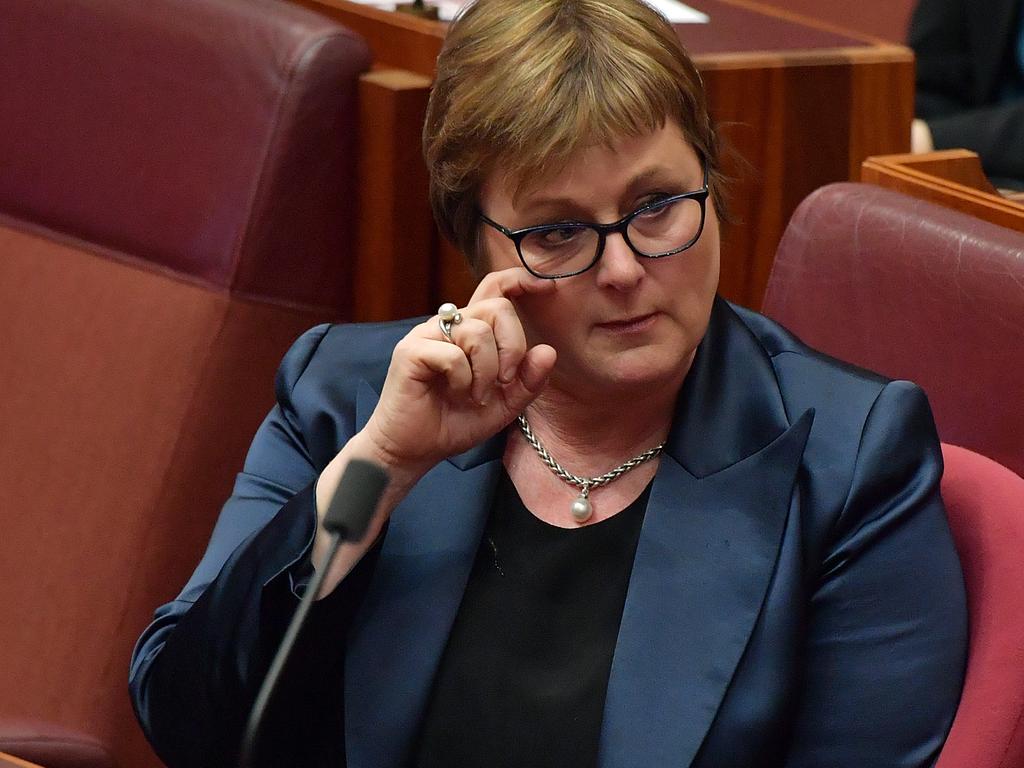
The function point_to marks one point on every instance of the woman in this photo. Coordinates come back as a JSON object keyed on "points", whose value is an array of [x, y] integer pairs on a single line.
{"points": [[703, 544]]}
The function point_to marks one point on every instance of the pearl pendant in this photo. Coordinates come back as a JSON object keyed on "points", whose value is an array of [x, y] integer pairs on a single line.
{"points": [[582, 509]]}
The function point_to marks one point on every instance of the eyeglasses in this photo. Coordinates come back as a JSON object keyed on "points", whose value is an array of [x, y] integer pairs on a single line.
{"points": [[655, 230]]}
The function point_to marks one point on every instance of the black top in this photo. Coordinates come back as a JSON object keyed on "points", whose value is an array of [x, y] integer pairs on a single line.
{"points": [[523, 678]]}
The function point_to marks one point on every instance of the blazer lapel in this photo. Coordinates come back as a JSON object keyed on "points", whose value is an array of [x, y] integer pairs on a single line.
{"points": [[400, 631], [706, 553]]}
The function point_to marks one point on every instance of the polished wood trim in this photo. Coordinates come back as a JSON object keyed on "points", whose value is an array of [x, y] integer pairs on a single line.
{"points": [[952, 178], [395, 20], [883, 54], [10, 761], [956, 165]]}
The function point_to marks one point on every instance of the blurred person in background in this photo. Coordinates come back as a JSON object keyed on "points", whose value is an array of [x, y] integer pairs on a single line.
{"points": [[970, 82]]}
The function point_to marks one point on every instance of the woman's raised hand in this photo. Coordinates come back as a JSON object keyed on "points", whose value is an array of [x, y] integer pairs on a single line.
{"points": [[442, 397]]}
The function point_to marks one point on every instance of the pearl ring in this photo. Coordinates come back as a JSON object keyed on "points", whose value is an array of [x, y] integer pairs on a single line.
{"points": [[447, 316]]}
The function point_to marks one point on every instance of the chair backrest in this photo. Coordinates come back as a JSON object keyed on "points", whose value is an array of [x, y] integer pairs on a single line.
{"points": [[985, 505], [177, 194], [917, 292]]}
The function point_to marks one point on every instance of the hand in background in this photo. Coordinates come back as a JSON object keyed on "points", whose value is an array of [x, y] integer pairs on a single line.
{"points": [[920, 137]]}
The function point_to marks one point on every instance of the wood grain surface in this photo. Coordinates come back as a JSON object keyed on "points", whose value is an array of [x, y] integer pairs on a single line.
{"points": [[396, 237]]}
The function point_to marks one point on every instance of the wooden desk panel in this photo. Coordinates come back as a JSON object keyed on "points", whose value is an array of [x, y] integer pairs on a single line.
{"points": [[803, 103], [396, 236], [770, 108]]}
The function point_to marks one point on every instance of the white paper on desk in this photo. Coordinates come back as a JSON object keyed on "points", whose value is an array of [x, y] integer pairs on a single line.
{"points": [[449, 9], [384, 5], [673, 10], [446, 9], [678, 13]]}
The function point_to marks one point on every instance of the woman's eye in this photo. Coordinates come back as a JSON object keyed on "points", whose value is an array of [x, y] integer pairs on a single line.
{"points": [[657, 209], [562, 236]]}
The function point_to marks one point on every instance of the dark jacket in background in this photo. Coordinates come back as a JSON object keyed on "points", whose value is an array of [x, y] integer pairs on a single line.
{"points": [[965, 52]]}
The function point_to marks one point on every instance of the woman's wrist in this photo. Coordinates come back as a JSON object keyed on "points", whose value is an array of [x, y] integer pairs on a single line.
{"points": [[403, 473], [401, 477]]}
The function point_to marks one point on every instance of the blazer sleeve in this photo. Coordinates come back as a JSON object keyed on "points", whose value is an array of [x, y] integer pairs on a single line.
{"points": [[197, 668], [995, 132], [886, 639]]}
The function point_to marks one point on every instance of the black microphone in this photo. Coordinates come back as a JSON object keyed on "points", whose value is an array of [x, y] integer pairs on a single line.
{"points": [[347, 518]]}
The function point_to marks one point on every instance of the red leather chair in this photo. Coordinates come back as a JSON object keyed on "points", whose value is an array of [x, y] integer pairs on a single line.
{"points": [[177, 198], [914, 291], [925, 293], [985, 504]]}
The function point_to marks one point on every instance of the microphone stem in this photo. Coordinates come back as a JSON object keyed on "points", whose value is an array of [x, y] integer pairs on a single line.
{"points": [[252, 729]]}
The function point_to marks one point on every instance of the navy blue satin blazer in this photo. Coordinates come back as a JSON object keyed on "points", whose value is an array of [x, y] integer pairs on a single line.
{"points": [[795, 598]]}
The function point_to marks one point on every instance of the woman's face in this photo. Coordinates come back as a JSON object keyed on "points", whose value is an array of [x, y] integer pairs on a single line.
{"points": [[628, 322]]}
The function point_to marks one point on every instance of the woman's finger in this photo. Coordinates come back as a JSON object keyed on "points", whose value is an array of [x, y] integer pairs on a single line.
{"points": [[426, 359], [508, 333], [531, 378], [476, 338], [510, 283]]}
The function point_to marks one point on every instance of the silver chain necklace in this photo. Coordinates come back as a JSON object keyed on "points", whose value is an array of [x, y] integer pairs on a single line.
{"points": [[581, 508]]}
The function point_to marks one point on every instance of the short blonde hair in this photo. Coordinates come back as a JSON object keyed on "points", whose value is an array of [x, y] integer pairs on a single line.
{"points": [[523, 85]]}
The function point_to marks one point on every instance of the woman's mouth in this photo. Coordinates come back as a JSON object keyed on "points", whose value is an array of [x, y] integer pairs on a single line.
{"points": [[626, 325]]}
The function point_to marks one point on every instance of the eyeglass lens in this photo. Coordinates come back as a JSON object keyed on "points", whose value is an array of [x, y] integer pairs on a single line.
{"points": [[567, 248]]}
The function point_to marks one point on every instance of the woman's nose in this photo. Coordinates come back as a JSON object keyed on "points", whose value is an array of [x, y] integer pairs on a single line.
{"points": [[619, 267]]}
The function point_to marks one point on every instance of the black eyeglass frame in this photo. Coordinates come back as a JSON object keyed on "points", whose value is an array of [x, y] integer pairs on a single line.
{"points": [[603, 230]]}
